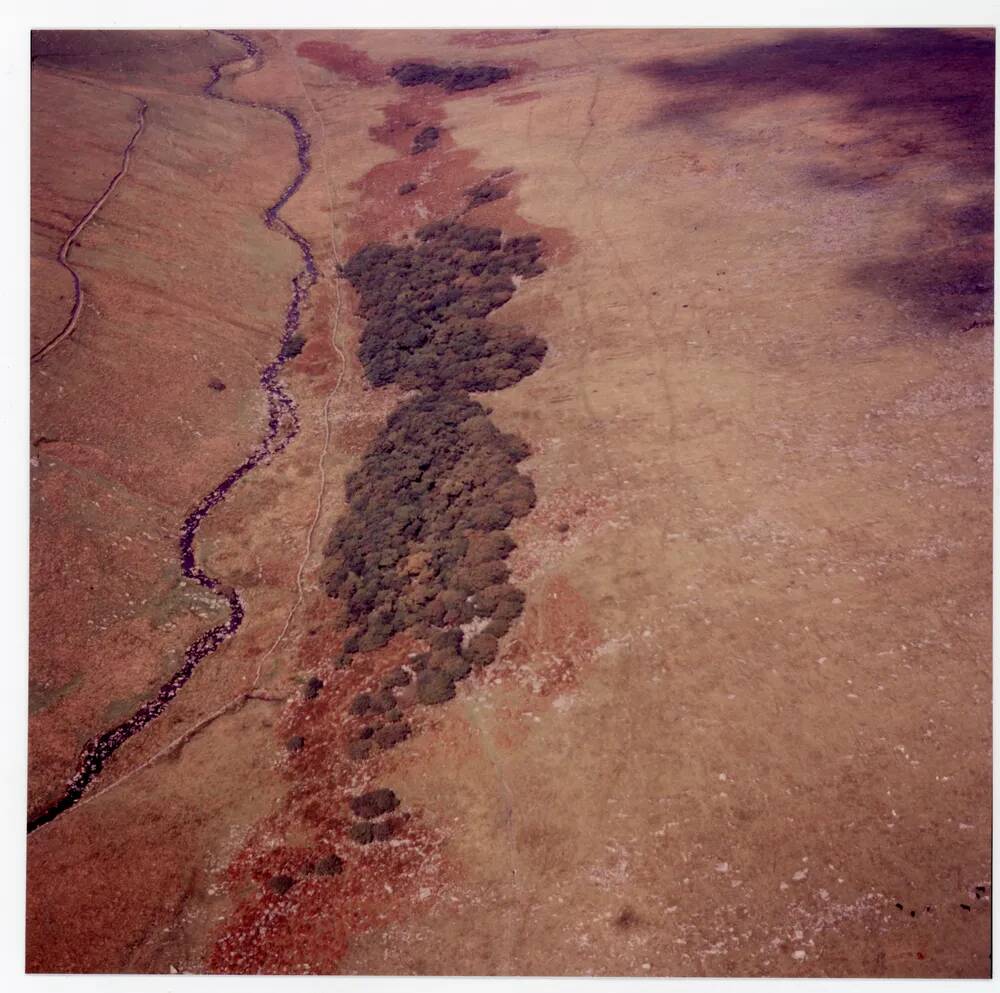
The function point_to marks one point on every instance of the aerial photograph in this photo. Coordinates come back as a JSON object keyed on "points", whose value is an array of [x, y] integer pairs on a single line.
{"points": [[510, 502]]}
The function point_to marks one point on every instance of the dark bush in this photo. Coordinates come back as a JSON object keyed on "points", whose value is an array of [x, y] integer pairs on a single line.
{"points": [[417, 540], [382, 702], [395, 677], [358, 750], [451, 78], [329, 865], [280, 884], [457, 667], [434, 686], [362, 832], [418, 73], [407, 188], [374, 803], [361, 704], [425, 140], [391, 735], [424, 307], [484, 192], [445, 641], [482, 649], [421, 547], [293, 346]]}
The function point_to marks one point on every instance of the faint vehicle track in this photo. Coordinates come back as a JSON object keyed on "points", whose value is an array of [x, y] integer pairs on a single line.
{"points": [[282, 427], [63, 257]]}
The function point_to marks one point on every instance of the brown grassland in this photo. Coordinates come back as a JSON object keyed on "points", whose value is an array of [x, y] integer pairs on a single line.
{"points": [[693, 444]]}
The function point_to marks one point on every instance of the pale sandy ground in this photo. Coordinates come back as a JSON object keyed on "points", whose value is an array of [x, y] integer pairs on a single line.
{"points": [[747, 710]]}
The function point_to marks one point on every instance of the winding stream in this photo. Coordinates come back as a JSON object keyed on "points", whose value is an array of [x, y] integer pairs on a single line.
{"points": [[282, 426]]}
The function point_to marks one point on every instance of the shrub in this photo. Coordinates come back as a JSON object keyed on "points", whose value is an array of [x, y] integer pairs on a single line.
{"points": [[374, 803], [484, 192], [425, 140], [434, 686], [451, 78], [358, 750], [396, 677], [329, 865], [363, 832], [424, 307], [292, 347], [482, 649], [421, 546], [280, 884], [392, 734]]}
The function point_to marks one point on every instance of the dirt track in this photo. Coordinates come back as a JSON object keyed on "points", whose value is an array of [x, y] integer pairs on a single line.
{"points": [[743, 725]]}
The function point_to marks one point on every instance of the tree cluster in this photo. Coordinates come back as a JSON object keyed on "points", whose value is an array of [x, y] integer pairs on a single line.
{"points": [[425, 304], [451, 78], [422, 545]]}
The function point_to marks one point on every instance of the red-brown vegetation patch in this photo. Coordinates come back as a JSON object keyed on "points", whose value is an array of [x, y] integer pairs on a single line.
{"points": [[552, 641], [442, 175], [308, 927], [344, 60]]}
